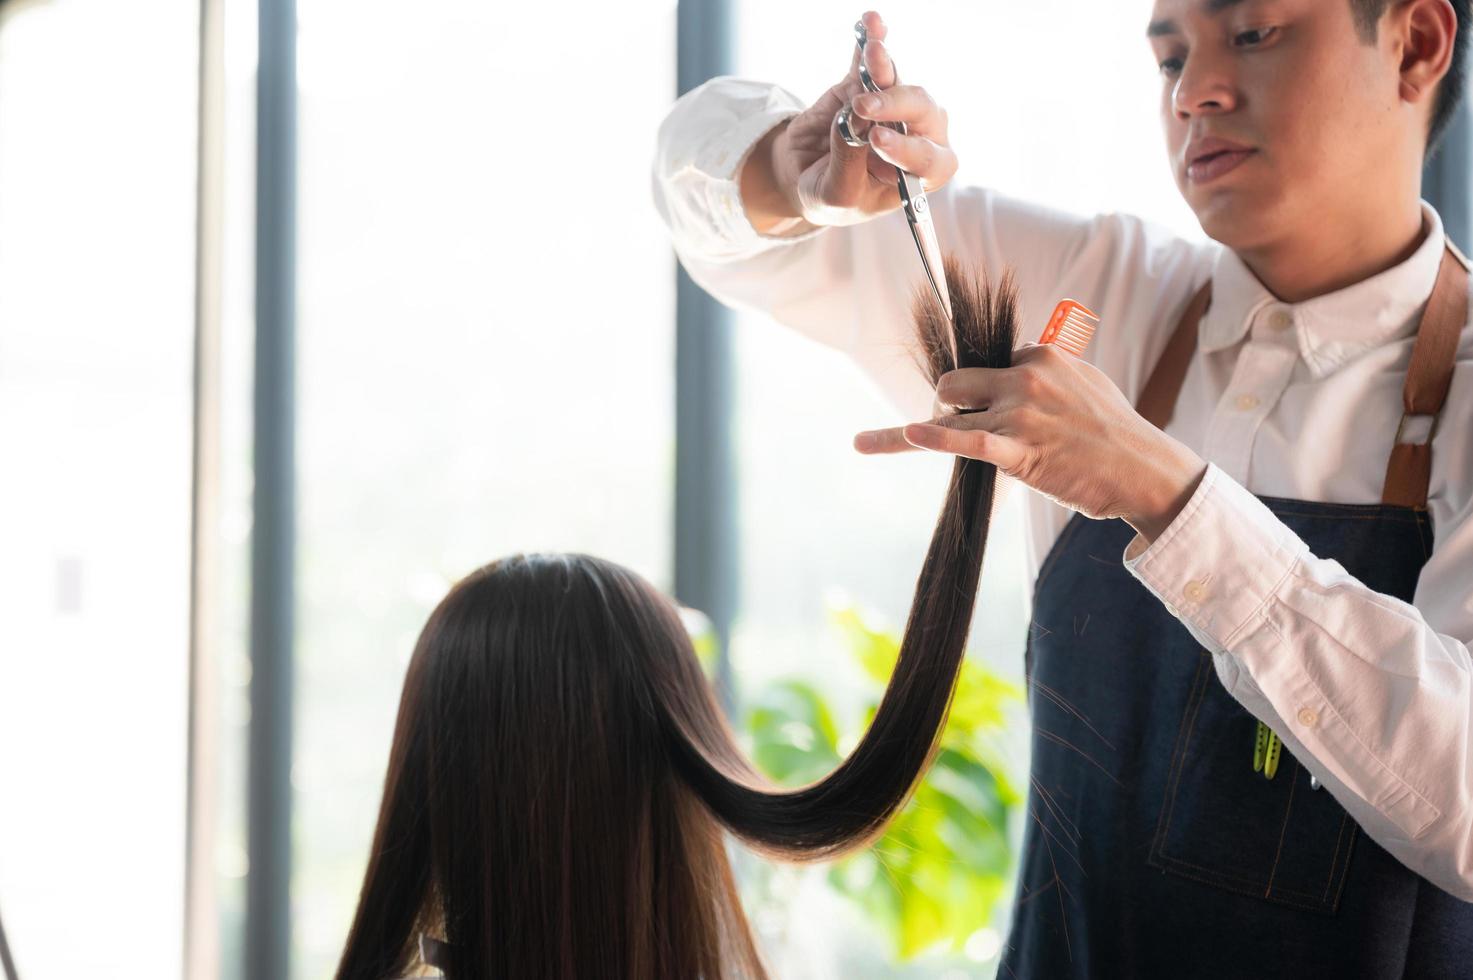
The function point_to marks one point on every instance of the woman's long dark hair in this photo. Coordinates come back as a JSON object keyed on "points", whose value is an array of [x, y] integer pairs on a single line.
{"points": [[559, 756]]}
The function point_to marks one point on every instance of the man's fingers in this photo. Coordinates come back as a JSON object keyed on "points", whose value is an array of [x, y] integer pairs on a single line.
{"points": [[875, 25], [875, 30], [880, 441], [909, 104], [877, 60], [934, 163], [969, 389], [973, 435], [1004, 452], [898, 439], [846, 178]]}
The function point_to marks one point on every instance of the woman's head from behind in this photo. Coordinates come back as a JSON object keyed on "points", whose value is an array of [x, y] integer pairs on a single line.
{"points": [[533, 814], [561, 775]]}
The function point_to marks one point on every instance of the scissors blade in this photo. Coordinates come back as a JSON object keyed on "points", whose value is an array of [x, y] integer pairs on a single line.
{"points": [[913, 197], [918, 213]]}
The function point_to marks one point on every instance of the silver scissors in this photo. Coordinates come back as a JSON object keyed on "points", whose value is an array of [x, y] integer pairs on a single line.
{"points": [[912, 196]]}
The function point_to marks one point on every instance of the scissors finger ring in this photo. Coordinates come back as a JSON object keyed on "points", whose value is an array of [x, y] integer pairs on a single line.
{"points": [[844, 120], [846, 128]]}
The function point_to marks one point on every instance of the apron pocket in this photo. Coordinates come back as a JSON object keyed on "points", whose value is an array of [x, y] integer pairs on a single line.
{"points": [[1224, 824]]}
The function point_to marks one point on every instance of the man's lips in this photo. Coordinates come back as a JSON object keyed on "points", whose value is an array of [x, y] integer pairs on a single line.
{"points": [[1211, 158]]}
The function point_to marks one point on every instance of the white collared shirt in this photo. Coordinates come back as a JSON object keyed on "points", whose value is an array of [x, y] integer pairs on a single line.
{"points": [[1299, 400]]}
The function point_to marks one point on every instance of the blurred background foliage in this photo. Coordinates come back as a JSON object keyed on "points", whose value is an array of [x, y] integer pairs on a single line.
{"points": [[934, 881]]}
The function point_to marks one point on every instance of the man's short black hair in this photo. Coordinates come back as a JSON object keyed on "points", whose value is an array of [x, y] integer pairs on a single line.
{"points": [[1454, 84]]}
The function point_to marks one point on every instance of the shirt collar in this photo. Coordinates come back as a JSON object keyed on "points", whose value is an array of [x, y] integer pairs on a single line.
{"points": [[1336, 327]]}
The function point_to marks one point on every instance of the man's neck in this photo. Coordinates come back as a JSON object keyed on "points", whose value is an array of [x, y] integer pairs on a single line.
{"points": [[1325, 258]]}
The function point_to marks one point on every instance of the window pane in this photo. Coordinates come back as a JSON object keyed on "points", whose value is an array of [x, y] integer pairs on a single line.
{"points": [[486, 342], [97, 208]]}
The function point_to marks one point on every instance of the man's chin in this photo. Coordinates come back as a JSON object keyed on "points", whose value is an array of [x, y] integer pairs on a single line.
{"points": [[1228, 219]]}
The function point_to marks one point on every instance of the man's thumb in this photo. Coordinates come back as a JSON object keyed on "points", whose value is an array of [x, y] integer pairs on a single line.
{"points": [[846, 176]]}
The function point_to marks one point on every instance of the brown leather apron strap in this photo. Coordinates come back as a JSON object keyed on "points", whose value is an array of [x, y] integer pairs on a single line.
{"points": [[1157, 401], [1409, 470]]}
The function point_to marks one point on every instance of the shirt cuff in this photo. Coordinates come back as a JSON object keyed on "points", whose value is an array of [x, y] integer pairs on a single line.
{"points": [[726, 155], [1218, 563], [703, 145]]}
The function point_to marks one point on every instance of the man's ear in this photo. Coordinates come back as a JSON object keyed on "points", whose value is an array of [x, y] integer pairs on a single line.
{"points": [[1425, 32]]}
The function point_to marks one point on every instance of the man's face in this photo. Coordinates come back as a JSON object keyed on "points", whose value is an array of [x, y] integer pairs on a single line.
{"points": [[1276, 113]]}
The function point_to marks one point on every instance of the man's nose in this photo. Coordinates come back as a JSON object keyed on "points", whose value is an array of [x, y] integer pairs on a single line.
{"points": [[1206, 86]]}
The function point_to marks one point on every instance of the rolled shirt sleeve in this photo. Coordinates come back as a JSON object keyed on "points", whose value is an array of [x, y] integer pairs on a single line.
{"points": [[702, 146], [850, 288], [1367, 693]]}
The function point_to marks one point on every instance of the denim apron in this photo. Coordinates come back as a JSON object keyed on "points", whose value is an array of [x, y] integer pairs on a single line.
{"points": [[1153, 848]]}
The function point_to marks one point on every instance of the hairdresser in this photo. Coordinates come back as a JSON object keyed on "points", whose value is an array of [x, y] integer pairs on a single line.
{"points": [[1252, 537]]}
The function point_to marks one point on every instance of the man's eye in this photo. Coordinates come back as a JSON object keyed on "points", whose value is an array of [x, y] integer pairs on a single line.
{"points": [[1171, 66], [1253, 38]]}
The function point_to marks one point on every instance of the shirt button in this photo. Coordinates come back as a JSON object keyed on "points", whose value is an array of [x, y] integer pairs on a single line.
{"points": [[1281, 320], [1307, 717], [1247, 402], [1196, 590]]}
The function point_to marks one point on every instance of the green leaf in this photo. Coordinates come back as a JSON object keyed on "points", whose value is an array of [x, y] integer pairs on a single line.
{"points": [[876, 652], [943, 865], [794, 736]]}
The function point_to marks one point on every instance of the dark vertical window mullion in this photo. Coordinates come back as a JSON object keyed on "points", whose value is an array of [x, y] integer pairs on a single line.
{"points": [[268, 885], [705, 468]]}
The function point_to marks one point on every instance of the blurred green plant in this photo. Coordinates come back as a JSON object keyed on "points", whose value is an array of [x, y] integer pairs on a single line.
{"points": [[935, 878]]}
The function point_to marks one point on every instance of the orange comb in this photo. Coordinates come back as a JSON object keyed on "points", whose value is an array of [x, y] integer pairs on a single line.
{"points": [[1070, 328]]}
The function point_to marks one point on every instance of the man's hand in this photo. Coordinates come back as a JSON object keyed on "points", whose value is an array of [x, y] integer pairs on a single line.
{"points": [[1061, 426], [803, 171]]}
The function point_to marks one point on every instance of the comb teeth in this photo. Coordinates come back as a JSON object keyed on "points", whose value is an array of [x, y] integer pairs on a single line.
{"points": [[1070, 328]]}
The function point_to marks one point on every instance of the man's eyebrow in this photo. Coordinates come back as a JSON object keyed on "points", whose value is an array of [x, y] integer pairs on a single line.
{"points": [[1160, 28]]}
